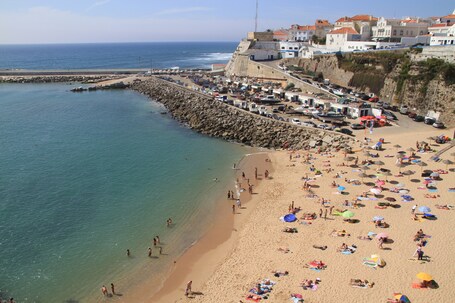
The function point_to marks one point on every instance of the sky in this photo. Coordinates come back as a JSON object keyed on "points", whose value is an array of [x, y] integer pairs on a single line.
{"points": [[90, 21]]}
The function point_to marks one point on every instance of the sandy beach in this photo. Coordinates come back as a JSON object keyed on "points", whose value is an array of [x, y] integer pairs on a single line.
{"points": [[230, 264]]}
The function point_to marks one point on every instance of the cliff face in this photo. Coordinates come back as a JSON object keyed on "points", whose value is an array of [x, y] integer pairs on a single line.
{"points": [[394, 77], [214, 118]]}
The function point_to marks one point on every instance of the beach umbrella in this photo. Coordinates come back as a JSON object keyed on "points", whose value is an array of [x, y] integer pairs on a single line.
{"points": [[390, 199], [424, 209], [402, 298], [382, 235], [400, 185], [447, 163], [349, 158], [347, 214], [431, 138], [378, 218], [421, 164], [403, 191], [401, 152], [424, 276], [378, 260], [375, 190], [408, 173], [380, 163], [341, 188], [362, 175]]}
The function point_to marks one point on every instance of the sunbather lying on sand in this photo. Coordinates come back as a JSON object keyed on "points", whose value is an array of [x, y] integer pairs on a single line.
{"points": [[318, 264], [308, 216], [340, 233], [364, 238], [290, 230], [284, 249], [360, 283], [320, 247], [431, 196], [446, 206], [278, 273]]}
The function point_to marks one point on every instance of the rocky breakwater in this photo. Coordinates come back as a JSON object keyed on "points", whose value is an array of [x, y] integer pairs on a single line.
{"points": [[56, 78], [208, 116]]}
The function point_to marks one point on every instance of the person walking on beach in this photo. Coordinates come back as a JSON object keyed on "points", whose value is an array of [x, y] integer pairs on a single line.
{"points": [[233, 209], [150, 252], [325, 214], [188, 288], [113, 288], [154, 241], [320, 213], [104, 290], [239, 204], [256, 173], [413, 210], [229, 195], [128, 252]]}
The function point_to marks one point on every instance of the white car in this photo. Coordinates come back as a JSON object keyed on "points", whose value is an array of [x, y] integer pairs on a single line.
{"points": [[296, 121], [309, 123], [324, 126]]}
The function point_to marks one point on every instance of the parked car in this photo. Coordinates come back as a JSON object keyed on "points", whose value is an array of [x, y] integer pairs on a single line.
{"points": [[389, 115], [412, 115], [394, 108], [346, 131], [373, 99], [386, 105], [429, 120], [404, 110], [419, 118], [309, 123], [357, 126], [296, 121], [324, 126], [438, 125]]}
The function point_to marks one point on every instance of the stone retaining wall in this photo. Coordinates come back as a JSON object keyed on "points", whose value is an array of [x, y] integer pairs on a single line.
{"points": [[208, 116]]}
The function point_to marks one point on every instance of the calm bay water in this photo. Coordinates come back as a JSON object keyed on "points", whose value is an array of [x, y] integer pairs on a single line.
{"points": [[116, 55], [85, 176]]}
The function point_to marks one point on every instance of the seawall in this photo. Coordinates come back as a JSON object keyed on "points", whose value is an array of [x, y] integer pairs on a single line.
{"points": [[208, 116]]}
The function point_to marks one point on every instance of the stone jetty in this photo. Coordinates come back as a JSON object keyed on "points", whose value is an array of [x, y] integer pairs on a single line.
{"points": [[211, 117]]}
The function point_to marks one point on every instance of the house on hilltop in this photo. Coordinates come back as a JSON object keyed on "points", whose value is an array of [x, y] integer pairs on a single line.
{"points": [[361, 23]]}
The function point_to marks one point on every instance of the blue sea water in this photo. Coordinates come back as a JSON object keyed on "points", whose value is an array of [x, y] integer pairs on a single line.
{"points": [[116, 55], [84, 177]]}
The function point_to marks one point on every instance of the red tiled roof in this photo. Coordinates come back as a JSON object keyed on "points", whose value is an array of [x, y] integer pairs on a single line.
{"points": [[344, 30], [280, 33], [451, 16], [322, 22], [438, 25], [344, 19], [409, 21], [364, 18], [307, 28]]}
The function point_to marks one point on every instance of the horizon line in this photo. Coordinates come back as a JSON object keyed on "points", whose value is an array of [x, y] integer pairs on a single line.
{"points": [[67, 43]]}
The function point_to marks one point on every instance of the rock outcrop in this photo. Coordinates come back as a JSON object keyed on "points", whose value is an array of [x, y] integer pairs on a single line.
{"points": [[208, 116]]}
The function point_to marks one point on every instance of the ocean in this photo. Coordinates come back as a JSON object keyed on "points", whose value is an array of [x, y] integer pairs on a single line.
{"points": [[85, 177], [157, 55]]}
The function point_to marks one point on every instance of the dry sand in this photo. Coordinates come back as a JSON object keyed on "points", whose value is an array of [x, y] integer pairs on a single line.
{"points": [[253, 251]]}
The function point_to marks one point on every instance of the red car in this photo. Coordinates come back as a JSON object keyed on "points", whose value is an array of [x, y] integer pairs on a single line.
{"points": [[373, 99]]}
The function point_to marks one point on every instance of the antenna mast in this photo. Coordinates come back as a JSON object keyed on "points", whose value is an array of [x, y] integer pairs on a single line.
{"points": [[256, 19]]}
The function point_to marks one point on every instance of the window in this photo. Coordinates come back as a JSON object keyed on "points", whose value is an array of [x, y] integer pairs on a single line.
{"points": [[282, 47], [401, 32], [394, 32]]}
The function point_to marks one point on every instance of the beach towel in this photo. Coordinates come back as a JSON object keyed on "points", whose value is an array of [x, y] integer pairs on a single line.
{"points": [[315, 269], [418, 286], [432, 190], [346, 252], [451, 190]]}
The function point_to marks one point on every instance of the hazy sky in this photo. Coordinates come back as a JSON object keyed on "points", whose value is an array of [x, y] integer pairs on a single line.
{"points": [[66, 21]]}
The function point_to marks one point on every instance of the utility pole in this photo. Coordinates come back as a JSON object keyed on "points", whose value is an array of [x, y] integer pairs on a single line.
{"points": [[256, 18]]}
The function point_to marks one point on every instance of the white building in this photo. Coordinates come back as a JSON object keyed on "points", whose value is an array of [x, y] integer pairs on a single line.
{"points": [[301, 33], [361, 23], [394, 29], [447, 39], [290, 49], [337, 39]]}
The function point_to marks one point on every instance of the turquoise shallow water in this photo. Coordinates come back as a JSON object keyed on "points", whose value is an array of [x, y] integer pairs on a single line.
{"points": [[85, 176]]}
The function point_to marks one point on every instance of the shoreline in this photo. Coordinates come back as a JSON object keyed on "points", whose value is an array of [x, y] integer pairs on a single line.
{"points": [[216, 243]]}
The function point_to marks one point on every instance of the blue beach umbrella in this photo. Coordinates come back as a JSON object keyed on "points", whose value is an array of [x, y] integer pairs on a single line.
{"points": [[289, 218], [424, 209], [341, 188]]}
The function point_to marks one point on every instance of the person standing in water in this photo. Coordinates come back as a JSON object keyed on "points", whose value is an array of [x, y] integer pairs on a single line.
{"points": [[128, 252], [113, 288], [104, 290], [150, 252]]}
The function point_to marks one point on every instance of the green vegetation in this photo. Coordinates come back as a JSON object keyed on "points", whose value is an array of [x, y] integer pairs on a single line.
{"points": [[374, 82], [318, 40], [289, 86], [404, 75]]}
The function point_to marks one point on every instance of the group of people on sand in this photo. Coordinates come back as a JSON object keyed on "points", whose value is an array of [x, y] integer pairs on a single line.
{"points": [[106, 293]]}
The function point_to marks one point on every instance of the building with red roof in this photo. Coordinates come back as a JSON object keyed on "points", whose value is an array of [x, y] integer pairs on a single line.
{"points": [[361, 23], [392, 30], [301, 33]]}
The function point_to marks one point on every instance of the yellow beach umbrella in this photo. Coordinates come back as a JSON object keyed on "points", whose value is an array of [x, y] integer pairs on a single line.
{"points": [[424, 276]]}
